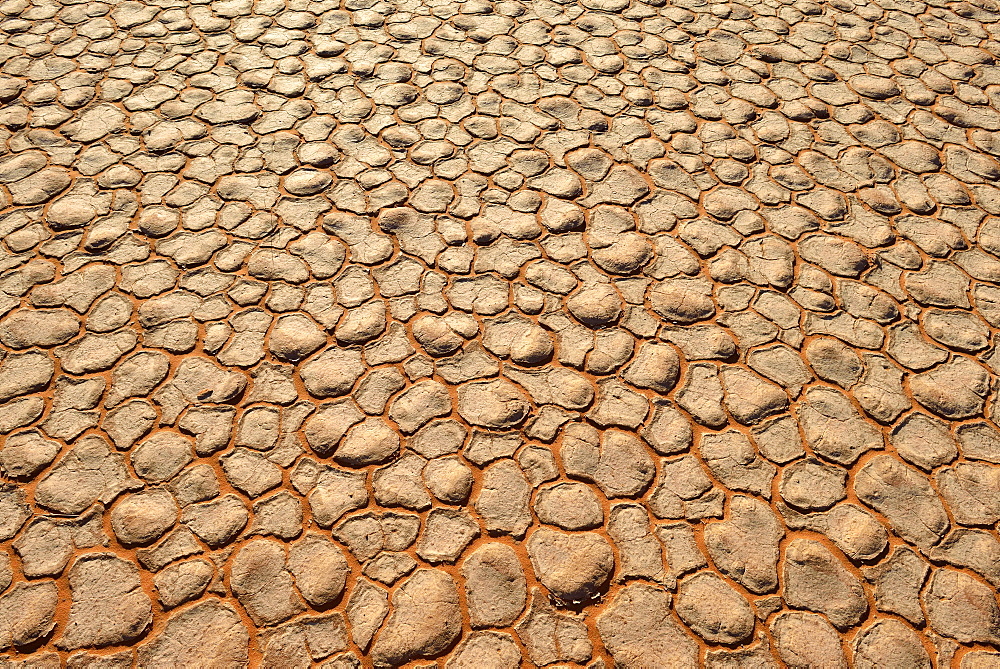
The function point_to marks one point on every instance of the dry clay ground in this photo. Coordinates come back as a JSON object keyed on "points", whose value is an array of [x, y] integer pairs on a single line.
{"points": [[636, 333]]}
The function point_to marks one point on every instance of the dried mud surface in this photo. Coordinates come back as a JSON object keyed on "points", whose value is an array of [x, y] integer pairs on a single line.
{"points": [[635, 333]]}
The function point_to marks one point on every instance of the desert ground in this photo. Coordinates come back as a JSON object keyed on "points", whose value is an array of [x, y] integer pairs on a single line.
{"points": [[483, 335]]}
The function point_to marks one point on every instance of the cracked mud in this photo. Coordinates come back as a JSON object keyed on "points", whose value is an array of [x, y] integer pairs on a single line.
{"points": [[599, 333]]}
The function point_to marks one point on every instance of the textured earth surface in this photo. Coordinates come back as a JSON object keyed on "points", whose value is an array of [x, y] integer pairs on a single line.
{"points": [[635, 333]]}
